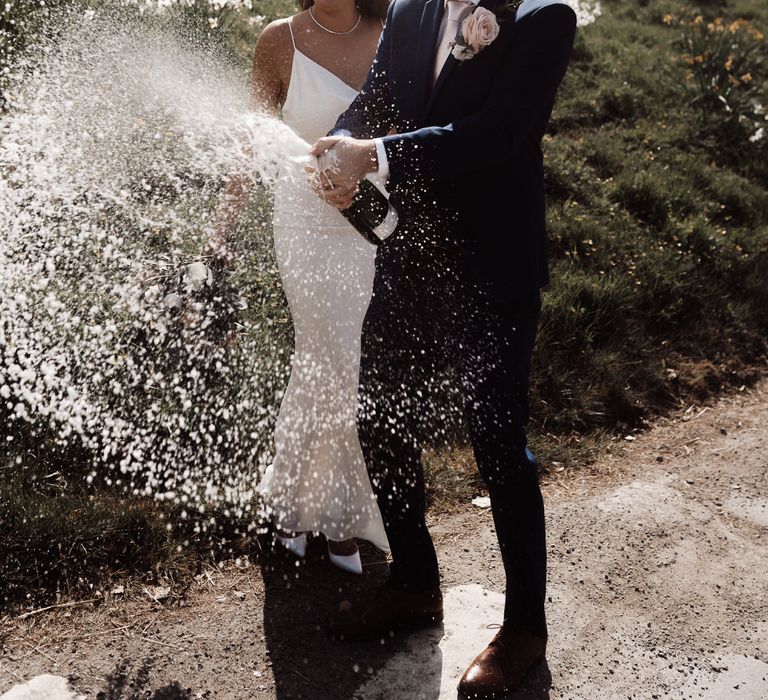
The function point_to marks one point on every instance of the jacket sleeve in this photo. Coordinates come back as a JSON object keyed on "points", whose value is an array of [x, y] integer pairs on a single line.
{"points": [[372, 112], [520, 102]]}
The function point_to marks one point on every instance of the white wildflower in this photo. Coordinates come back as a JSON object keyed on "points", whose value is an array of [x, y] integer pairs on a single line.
{"points": [[587, 11]]}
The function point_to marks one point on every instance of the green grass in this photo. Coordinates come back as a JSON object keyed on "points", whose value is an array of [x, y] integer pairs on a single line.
{"points": [[659, 245], [60, 535], [659, 234]]}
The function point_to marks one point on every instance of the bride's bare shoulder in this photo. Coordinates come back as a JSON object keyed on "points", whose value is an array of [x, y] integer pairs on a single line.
{"points": [[275, 38], [273, 56]]}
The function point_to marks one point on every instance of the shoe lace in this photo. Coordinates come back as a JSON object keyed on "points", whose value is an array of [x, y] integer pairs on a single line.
{"points": [[497, 639]]}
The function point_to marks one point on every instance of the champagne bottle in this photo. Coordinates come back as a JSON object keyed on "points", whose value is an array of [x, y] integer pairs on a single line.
{"points": [[370, 212]]}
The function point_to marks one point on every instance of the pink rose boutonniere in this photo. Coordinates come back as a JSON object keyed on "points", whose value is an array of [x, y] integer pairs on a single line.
{"points": [[477, 32], [481, 28]]}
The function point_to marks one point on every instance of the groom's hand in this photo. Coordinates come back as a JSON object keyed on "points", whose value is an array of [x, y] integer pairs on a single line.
{"points": [[354, 159]]}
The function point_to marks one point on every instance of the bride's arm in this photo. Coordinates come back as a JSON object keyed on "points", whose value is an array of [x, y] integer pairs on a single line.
{"points": [[268, 86]]}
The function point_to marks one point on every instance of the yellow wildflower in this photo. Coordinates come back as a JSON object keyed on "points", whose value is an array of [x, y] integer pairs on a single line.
{"points": [[736, 25], [746, 78]]}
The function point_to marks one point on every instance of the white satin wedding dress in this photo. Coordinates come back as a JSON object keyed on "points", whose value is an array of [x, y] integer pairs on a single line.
{"points": [[318, 480]]}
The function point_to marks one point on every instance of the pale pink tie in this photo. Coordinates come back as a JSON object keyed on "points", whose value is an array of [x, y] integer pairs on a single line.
{"points": [[456, 11]]}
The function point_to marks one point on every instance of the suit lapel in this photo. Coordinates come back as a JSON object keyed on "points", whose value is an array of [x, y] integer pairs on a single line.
{"points": [[431, 17], [451, 63]]}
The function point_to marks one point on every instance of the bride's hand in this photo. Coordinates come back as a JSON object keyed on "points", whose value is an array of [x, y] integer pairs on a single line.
{"points": [[354, 159], [322, 183]]}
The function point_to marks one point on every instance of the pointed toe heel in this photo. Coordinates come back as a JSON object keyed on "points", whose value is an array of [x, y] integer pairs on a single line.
{"points": [[350, 563]]}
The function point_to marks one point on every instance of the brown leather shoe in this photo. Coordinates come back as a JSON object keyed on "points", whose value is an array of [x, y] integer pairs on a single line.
{"points": [[501, 667], [391, 610]]}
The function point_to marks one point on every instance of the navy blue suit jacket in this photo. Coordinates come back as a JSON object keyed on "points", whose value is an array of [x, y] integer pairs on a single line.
{"points": [[469, 147]]}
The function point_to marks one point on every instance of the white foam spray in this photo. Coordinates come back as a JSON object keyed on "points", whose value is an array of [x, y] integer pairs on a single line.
{"points": [[113, 153]]}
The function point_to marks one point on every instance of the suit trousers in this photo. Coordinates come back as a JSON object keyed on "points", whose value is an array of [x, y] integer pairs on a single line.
{"points": [[429, 319]]}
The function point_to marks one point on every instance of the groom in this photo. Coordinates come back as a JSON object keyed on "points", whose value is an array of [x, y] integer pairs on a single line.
{"points": [[453, 113]]}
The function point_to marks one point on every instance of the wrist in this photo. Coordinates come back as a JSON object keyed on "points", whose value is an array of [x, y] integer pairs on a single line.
{"points": [[371, 157]]}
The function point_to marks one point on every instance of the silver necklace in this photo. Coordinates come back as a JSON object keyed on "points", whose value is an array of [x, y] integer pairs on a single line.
{"points": [[330, 31]]}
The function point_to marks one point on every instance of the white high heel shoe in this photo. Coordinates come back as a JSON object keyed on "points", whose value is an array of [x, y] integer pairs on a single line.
{"points": [[295, 545], [348, 562]]}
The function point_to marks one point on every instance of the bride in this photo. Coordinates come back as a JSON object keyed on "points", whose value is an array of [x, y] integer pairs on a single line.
{"points": [[312, 66]]}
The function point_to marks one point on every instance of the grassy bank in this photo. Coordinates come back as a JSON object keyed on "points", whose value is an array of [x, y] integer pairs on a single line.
{"points": [[658, 220], [658, 216]]}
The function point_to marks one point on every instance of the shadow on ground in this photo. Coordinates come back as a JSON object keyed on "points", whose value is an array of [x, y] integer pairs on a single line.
{"points": [[298, 603], [536, 685], [125, 684]]}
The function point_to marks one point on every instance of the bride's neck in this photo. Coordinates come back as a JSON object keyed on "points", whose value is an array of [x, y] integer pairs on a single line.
{"points": [[338, 19]]}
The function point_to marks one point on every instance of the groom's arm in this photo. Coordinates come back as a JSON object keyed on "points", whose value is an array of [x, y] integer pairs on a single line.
{"points": [[371, 114], [520, 101]]}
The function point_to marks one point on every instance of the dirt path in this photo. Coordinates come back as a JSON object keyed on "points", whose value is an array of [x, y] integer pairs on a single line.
{"points": [[658, 589]]}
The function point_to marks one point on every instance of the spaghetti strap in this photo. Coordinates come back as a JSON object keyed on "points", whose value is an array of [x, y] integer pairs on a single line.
{"points": [[290, 29]]}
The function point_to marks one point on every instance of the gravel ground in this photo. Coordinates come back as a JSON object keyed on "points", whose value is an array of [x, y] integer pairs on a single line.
{"points": [[658, 589]]}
